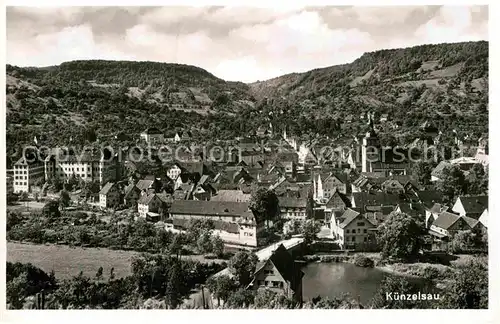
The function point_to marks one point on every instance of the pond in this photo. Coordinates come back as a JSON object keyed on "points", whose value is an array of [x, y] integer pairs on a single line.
{"points": [[335, 279]]}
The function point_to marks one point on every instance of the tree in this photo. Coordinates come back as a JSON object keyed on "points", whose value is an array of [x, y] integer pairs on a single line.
{"points": [[422, 172], [469, 288], [51, 209], [13, 219], [477, 180], [310, 229], [400, 236], [173, 295], [204, 243], [196, 227], [242, 298], [385, 297], [217, 246], [265, 205], [242, 266], [221, 287], [462, 241], [451, 183], [175, 246], [292, 227], [64, 199]]}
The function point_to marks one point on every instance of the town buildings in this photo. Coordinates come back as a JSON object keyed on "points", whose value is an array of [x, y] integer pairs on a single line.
{"points": [[27, 173], [152, 135]]}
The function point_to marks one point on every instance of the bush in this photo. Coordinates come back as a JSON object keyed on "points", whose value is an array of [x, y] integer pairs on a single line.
{"points": [[363, 261]]}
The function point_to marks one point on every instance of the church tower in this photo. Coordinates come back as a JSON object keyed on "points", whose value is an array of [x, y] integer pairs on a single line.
{"points": [[370, 148]]}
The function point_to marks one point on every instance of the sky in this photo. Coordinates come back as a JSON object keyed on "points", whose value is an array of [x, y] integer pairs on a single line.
{"points": [[234, 43]]}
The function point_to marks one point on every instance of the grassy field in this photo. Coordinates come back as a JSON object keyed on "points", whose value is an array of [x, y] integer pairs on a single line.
{"points": [[69, 261]]}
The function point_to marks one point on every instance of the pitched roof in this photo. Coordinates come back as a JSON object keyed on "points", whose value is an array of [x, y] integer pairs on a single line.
{"points": [[129, 189], [470, 221], [231, 195], [474, 204], [445, 220], [439, 168], [430, 197], [483, 219], [152, 130], [211, 208], [362, 199], [284, 263], [344, 198], [348, 216], [146, 199], [412, 209], [288, 202], [438, 208], [144, 184], [107, 187]]}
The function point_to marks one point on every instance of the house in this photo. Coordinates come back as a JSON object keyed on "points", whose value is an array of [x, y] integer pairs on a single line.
{"points": [[279, 273], [184, 191], [472, 206], [362, 199], [415, 210], [352, 229], [88, 166], [152, 135], [338, 201], [231, 195], [131, 195], [109, 196], [234, 221], [447, 224], [182, 136], [203, 190], [293, 208], [26, 173], [432, 213], [149, 205], [174, 171]]}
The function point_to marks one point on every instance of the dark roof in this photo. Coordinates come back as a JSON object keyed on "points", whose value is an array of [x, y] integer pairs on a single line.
{"points": [[363, 199], [412, 209], [144, 184], [211, 208], [152, 130], [107, 187], [470, 221], [285, 264], [474, 204], [146, 199], [445, 220], [129, 189], [288, 202], [430, 197], [344, 198]]}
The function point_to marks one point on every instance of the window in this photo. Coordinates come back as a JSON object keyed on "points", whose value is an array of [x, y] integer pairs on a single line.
{"points": [[361, 223], [268, 272], [347, 231], [359, 230], [276, 284], [354, 238], [266, 283], [365, 239], [281, 284], [365, 231]]}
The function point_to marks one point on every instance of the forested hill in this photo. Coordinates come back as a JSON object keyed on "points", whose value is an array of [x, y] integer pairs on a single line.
{"points": [[446, 83]]}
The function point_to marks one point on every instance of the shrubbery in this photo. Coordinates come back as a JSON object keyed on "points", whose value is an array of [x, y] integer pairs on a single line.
{"points": [[363, 261]]}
